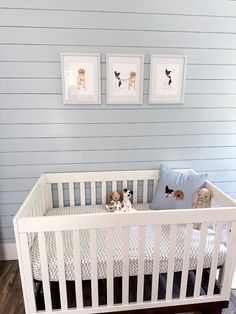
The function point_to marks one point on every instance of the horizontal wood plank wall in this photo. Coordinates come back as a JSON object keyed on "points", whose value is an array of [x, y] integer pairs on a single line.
{"points": [[38, 133]]}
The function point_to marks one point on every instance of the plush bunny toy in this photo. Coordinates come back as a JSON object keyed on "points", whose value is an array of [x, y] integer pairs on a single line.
{"points": [[201, 199]]}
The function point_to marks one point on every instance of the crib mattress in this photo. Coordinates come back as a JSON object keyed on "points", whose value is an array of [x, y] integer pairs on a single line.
{"points": [[116, 246]]}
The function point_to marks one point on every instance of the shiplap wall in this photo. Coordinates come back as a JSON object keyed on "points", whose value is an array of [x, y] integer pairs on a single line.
{"points": [[40, 134]]}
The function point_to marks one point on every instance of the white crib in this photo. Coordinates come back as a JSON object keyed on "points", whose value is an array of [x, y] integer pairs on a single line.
{"points": [[79, 191]]}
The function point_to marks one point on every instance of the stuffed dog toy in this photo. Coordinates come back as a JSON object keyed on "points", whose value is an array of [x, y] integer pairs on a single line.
{"points": [[201, 199], [127, 194], [115, 202]]}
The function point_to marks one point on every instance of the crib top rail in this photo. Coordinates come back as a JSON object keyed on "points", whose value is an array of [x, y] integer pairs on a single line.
{"points": [[100, 176], [106, 175], [112, 220]]}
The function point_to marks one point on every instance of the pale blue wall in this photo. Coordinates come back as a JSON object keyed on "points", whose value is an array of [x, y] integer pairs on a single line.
{"points": [[40, 134]]}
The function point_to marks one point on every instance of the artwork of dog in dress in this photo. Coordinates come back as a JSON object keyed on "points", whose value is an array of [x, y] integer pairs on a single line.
{"points": [[81, 79]]}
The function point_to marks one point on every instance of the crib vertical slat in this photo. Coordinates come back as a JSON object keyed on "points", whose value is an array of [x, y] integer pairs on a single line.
{"points": [[60, 194], [125, 184], [30, 239], [72, 193], [93, 258], [93, 193], [201, 253], [229, 260], [33, 211], [135, 191], [43, 201], [154, 186], [125, 277], [44, 270], [37, 209], [104, 200], [48, 195], [156, 262], [109, 248], [61, 270], [27, 270], [113, 186], [214, 261], [145, 189], [187, 247], [82, 193], [171, 262], [223, 273], [77, 268], [142, 230], [42, 207]]}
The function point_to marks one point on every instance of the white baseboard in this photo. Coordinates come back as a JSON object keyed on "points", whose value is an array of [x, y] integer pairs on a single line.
{"points": [[8, 251]]}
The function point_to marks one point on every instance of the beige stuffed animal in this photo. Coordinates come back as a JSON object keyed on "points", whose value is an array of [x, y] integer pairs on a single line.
{"points": [[202, 199], [115, 203]]}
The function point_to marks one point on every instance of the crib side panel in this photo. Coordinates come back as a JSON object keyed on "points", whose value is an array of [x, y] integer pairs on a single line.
{"points": [[69, 189], [34, 205], [95, 188], [164, 284]]}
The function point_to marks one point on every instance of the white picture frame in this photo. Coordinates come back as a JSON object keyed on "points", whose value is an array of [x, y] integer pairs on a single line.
{"points": [[81, 78], [125, 78], [167, 79]]}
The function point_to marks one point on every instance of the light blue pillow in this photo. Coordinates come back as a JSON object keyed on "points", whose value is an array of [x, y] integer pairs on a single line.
{"points": [[175, 190]]}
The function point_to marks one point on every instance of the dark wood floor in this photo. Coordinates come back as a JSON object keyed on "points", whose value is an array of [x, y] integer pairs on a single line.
{"points": [[11, 299]]}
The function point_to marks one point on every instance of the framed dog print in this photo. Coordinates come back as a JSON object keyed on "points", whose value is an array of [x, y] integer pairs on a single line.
{"points": [[81, 80], [167, 78], [124, 79]]}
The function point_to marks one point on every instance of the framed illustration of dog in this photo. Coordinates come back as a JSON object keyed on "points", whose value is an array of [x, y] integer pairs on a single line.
{"points": [[81, 81], [167, 79], [125, 78]]}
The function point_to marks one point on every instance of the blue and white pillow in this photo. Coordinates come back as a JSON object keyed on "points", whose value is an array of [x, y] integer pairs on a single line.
{"points": [[175, 190]]}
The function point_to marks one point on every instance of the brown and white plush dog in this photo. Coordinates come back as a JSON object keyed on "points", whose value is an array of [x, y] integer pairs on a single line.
{"points": [[81, 81], [132, 80], [127, 194], [115, 202]]}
